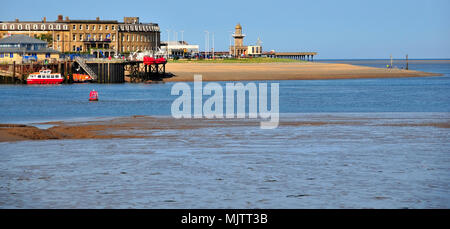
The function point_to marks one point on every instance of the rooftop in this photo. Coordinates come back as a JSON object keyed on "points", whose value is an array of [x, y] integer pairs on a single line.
{"points": [[21, 39]]}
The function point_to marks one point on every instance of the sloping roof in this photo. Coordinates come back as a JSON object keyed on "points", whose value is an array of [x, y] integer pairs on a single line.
{"points": [[21, 39], [23, 50]]}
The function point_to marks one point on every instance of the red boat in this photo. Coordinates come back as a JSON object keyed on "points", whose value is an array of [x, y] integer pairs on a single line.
{"points": [[44, 76]]}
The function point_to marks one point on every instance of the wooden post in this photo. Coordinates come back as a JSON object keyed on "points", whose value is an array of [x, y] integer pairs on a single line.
{"points": [[14, 71], [99, 75], [109, 70], [21, 73], [407, 65]]}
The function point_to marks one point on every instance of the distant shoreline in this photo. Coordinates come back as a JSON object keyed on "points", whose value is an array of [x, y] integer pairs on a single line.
{"points": [[283, 71]]}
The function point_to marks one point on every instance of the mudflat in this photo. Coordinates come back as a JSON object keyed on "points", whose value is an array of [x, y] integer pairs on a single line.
{"points": [[143, 126]]}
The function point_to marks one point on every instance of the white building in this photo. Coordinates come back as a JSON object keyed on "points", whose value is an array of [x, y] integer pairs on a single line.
{"points": [[179, 48]]}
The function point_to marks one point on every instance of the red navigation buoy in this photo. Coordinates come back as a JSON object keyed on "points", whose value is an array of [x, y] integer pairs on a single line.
{"points": [[93, 96]]}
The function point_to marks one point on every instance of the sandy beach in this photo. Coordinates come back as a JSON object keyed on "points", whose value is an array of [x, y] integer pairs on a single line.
{"points": [[282, 71]]}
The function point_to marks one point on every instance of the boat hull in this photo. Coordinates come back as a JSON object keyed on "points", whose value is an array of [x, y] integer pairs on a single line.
{"points": [[44, 81]]}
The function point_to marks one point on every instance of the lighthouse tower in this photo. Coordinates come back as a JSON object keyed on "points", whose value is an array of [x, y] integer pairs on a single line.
{"points": [[238, 36], [238, 49]]}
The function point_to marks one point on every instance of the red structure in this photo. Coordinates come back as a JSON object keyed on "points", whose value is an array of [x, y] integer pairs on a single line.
{"points": [[93, 96]]}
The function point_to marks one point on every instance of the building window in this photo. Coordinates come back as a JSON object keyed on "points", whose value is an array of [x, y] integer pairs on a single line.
{"points": [[93, 27], [106, 27], [81, 27], [58, 37], [81, 37], [27, 27], [11, 27], [4, 27], [19, 27], [100, 37], [113, 27], [65, 27], [114, 37], [87, 27], [128, 38], [42, 27], [100, 27], [58, 27], [74, 48], [50, 26], [74, 27], [74, 37], [35, 27]]}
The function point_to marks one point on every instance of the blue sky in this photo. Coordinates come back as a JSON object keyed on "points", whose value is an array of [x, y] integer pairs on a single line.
{"points": [[336, 29]]}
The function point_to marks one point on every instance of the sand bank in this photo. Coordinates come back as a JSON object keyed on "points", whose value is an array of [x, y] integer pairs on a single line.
{"points": [[282, 71], [145, 126]]}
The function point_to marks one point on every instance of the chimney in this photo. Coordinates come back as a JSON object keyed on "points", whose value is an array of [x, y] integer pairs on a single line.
{"points": [[44, 19], [17, 20], [60, 17], [98, 18], [67, 18]]}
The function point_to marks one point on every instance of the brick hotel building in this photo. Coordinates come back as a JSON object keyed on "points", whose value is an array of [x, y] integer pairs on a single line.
{"points": [[106, 36]]}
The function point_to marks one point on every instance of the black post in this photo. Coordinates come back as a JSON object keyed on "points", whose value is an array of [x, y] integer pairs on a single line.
{"points": [[407, 65]]}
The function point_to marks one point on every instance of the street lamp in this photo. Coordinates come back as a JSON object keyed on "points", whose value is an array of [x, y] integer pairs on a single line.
{"points": [[206, 43], [213, 51], [168, 40]]}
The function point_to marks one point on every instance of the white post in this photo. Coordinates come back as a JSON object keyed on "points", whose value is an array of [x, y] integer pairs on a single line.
{"points": [[206, 43], [182, 38], [213, 51], [168, 40]]}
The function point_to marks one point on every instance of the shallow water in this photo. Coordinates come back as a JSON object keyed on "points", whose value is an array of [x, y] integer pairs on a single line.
{"points": [[369, 165]]}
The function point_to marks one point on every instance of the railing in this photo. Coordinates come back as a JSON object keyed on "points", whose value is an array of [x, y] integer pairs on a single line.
{"points": [[83, 65]]}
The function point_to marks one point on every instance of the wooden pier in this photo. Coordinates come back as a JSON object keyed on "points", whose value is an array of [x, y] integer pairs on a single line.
{"points": [[101, 70], [307, 56]]}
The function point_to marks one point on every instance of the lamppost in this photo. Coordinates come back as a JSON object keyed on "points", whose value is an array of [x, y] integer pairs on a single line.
{"points": [[213, 50], [231, 34], [182, 38], [206, 43], [168, 40]]}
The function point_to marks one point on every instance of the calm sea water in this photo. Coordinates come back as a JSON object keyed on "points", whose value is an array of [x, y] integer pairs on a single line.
{"points": [[329, 166]]}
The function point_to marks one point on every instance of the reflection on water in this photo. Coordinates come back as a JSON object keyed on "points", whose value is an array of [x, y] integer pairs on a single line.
{"points": [[367, 163]]}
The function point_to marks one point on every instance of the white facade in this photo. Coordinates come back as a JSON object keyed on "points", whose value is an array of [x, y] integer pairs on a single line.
{"points": [[254, 50], [179, 48]]}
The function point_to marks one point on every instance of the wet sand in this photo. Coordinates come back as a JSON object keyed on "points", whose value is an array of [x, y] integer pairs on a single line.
{"points": [[282, 71], [136, 127]]}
